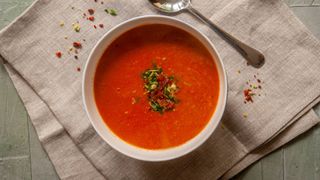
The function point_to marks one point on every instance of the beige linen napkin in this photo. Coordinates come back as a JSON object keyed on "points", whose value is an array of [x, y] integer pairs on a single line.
{"points": [[51, 88]]}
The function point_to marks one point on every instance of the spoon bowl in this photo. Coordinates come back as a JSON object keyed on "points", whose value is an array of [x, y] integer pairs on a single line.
{"points": [[170, 6]]}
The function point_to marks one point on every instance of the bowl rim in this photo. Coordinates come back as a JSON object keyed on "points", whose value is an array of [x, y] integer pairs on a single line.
{"points": [[161, 154]]}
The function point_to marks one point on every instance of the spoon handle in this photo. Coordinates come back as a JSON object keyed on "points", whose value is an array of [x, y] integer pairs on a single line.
{"points": [[253, 56]]}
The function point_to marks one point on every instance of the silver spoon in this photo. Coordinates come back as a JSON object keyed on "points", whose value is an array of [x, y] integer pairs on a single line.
{"points": [[253, 56]]}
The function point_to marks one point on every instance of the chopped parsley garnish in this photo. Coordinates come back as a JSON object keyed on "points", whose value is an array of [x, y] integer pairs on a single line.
{"points": [[160, 88], [111, 11]]}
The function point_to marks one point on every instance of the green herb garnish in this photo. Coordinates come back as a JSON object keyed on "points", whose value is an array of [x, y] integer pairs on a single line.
{"points": [[111, 11], [160, 89]]}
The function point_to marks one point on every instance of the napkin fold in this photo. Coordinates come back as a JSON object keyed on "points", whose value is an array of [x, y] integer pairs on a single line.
{"points": [[51, 87]]}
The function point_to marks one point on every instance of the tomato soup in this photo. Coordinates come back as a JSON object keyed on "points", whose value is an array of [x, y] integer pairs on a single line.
{"points": [[156, 86]]}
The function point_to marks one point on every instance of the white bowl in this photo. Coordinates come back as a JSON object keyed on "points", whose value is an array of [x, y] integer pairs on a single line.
{"points": [[97, 121]]}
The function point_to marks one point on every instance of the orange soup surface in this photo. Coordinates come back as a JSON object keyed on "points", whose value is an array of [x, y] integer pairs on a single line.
{"points": [[129, 104]]}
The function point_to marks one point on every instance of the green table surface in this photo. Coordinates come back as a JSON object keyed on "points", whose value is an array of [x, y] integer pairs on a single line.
{"points": [[22, 157]]}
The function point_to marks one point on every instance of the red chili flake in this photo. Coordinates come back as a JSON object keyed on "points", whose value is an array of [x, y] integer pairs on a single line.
{"points": [[101, 25], [91, 11], [95, 26], [77, 45], [58, 54], [78, 69], [91, 18], [248, 95]]}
